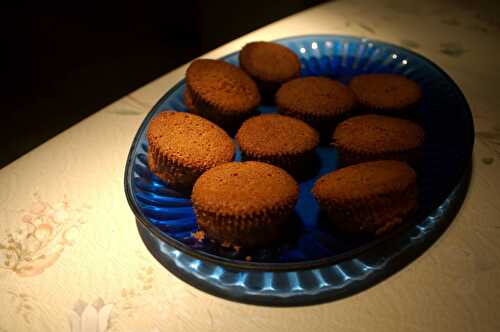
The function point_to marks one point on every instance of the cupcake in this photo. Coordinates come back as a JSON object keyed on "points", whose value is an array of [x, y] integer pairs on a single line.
{"points": [[280, 140], [221, 92], [319, 101], [377, 137], [247, 204], [389, 94], [181, 146], [188, 101], [371, 197], [270, 65]]}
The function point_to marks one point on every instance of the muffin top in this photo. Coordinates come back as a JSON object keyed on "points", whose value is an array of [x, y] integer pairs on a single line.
{"points": [[274, 134], [242, 188], [385, 91], [316, 96], [222, 85], [378, 133], [364, 181], [269, 62], [189, 140]]}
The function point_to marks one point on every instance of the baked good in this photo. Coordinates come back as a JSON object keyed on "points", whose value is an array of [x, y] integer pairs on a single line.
{"points": [[221, 92], [377, 137], [270, 65], [181, 146], [319, 101], [369, 197], [244, 204], [188, 101], [389, 94], [280, 140]]}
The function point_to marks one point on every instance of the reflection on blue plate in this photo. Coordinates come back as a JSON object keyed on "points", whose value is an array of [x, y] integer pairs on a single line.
{"points": [[318, 263]]}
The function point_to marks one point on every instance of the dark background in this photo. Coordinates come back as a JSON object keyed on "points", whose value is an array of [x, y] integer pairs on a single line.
{"points": [[61, 63]]}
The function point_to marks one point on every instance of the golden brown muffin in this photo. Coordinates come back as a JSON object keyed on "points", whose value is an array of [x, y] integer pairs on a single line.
{"points": [[270, 65], [221, 92], [369, 197], [181, 146], [377, 137], [319, 101], [389, 94], [280, 140], [246, 204]]}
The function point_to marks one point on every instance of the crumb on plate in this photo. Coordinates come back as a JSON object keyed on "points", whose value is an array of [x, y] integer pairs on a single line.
{"points": [[199, 235]]}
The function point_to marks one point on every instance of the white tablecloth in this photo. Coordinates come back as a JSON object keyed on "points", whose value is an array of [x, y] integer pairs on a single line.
{"points": [[71, 258]]}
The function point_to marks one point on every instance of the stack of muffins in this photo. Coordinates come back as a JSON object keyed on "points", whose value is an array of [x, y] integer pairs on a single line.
{"points": [[250, 203]]}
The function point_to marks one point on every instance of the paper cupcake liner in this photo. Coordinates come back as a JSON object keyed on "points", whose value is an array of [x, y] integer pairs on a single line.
{"points": [[172, 172], [300, 165], [254, 230], [325, 125], [188, 101], [350, 156], [373, 214], [409, 112], [267, 90]]}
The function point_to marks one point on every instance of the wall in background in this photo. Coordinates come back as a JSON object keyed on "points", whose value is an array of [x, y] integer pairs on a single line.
{"points": [[62, 63]]}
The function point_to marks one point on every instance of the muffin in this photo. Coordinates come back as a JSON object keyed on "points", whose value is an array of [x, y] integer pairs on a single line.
{"points": [[319, 101], [389, 94], [188, 101], [181, 146], [247, 204], [270, 65], [371, 197], [221, 92], [377, 137], [280, 140]]}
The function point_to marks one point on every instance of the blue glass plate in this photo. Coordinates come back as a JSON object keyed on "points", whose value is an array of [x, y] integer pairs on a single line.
{"points": [[317, 263]]}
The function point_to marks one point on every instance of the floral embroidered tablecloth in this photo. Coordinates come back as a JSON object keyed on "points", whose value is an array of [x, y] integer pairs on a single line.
{"points": [[71, 258]]}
